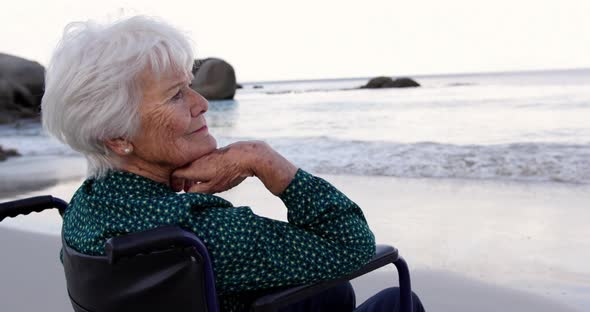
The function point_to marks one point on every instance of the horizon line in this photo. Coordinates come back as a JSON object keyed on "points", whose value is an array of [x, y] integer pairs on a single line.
{"points": [[500, 72]]}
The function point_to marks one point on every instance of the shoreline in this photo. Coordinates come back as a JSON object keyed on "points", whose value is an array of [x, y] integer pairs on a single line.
{"points": [[521, 243], [24, 174]]}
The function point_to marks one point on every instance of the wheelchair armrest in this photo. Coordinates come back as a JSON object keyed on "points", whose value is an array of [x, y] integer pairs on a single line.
{"points": [[384, 255]]}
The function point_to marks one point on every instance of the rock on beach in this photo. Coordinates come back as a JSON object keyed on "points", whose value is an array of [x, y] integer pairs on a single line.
{"points": [[215, 79], [388, 82], [22, 84], [21, 88], [5, 153]]}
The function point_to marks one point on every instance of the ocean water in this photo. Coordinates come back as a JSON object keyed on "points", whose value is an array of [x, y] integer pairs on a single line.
{"points": [[528, 131], [522, 126]]}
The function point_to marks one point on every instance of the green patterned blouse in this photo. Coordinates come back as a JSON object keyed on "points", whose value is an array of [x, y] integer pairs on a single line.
{"points": [[327, 235]]}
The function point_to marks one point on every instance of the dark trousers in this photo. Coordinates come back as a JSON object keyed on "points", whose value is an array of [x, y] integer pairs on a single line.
{"points": [[341, 298]]}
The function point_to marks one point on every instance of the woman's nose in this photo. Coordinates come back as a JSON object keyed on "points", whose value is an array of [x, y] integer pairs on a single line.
{"points": [[199, 104]]}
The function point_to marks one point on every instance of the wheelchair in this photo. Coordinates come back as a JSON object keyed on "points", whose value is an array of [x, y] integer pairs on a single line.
{"points": [[169, 269]]}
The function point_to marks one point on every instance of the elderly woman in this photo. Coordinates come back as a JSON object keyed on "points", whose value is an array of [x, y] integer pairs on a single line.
{"points": [[120, 94]]}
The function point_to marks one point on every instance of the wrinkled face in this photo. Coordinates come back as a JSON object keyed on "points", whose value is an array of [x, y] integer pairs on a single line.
{"points": [[173, 129]]}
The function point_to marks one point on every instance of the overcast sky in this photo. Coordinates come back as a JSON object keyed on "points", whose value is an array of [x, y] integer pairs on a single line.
{"points": [[310, 39]]}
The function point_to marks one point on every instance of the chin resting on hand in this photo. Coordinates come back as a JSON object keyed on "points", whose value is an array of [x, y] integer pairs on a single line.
{"points": [[227, 167]]}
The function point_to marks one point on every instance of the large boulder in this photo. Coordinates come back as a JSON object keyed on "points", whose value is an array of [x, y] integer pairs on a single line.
{"points": [[215, 79], [387, 82], [21, 88], [5, 153]]}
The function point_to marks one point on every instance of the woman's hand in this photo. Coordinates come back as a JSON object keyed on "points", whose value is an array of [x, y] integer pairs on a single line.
{"points": [[215, 172], [227, 167]]}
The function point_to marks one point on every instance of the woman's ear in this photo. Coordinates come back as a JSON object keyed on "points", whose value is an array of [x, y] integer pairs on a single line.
{"points": [[120, 146]]}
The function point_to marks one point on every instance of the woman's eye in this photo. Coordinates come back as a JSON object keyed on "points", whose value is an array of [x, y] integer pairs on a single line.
{"points": [[177, 96]]}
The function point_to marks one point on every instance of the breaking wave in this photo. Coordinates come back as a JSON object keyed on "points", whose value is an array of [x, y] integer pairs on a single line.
{"points": [[542, 162]]}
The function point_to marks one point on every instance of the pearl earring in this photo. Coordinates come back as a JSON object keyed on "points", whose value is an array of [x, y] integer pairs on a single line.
{"points": [[127, 150]]}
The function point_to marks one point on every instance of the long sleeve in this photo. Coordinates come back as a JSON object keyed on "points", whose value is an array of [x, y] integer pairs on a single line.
{"points": [[326, 237], [315, 205]]}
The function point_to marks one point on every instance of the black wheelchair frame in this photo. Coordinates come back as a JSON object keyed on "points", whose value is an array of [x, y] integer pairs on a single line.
{"points": [[169, 269]]}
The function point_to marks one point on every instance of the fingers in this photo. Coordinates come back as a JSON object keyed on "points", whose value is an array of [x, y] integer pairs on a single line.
{"points": [[191, 177], [204, 187], [236, 182], [216, 172], [177, 184], [213, 186], [187, 185], [190, 172]]}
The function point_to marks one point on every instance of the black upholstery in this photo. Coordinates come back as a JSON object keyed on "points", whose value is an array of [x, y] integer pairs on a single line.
{"points": [[165, 272]]}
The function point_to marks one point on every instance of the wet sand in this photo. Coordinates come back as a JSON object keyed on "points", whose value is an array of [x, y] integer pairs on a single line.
{"points": [[19, 175], [471, 245]]}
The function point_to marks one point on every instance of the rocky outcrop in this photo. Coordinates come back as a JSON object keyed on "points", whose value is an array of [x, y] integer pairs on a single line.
{"points": [[21, 88], [215, 79], [5, 153], [387, 82], [22, 84]]}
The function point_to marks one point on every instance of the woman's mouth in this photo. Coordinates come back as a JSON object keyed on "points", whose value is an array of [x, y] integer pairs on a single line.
{"points": [[202, 129]]}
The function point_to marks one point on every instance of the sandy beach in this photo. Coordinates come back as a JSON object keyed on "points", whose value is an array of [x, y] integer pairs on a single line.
{"points": [[460, 128], [20, 175], [484, 246]]}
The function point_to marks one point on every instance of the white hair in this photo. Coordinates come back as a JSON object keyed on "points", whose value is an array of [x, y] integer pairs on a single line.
{"points": [[92, 84]]}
